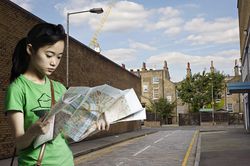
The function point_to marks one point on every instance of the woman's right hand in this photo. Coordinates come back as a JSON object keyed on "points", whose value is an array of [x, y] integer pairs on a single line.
{"points": [[39, 127], [25, 138]]}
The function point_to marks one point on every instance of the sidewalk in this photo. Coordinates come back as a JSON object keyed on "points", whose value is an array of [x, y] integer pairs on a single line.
{"points": [[85, 147], [223, 146]]}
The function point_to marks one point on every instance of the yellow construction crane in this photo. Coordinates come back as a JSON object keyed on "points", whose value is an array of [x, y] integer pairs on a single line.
{"points": [[94, 42]]}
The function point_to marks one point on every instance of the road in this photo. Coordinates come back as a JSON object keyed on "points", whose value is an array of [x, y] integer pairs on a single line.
{"points": [[163, 148]]}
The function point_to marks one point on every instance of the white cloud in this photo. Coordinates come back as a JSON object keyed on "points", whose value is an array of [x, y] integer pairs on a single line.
{"points": [[130, 54], [74, 6], [121, 55], [169, 12], [223, 61], [172, 31], [141, 46], [228, 53], [179, 58], [168, 20], [26, 4], [168, 23], [191, 5], [221, 30], [219, 24], [123, 15]]}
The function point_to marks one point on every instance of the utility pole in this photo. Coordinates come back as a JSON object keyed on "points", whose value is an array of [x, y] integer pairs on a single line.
{"points": [[212, 89]]}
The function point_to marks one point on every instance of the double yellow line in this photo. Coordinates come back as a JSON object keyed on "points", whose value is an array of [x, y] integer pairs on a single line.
{"points": [[185, 160]]}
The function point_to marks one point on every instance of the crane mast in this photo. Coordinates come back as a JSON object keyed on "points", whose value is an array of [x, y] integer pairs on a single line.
{"points": [[94, 41]]}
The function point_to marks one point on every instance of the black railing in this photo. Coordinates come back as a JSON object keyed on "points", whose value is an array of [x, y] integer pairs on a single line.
{"points": [[189, 119], [206, 117]]}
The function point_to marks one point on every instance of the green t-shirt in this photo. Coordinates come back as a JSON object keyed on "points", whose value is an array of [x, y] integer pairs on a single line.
{"points": [[34, 100]]}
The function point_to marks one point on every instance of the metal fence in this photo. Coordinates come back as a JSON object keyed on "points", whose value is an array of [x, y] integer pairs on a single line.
{"points": [[189, 119], [236, 118], [207, 117], [157, 117]]}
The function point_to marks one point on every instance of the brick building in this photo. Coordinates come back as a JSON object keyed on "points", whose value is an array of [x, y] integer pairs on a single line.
{"points": [[233, 102], [229, 102], [183, 107], [156, 84], [243, 87], [86, 68]]}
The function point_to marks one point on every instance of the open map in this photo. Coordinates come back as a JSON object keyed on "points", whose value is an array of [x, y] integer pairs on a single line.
{"points": [[80, 107]]}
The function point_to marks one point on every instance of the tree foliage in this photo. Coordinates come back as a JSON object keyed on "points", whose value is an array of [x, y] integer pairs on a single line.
{"points": [[162, 107], [199, 90]]}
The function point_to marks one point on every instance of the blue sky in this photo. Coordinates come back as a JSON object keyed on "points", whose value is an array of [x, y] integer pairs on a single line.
{"points": [[151, 31]]}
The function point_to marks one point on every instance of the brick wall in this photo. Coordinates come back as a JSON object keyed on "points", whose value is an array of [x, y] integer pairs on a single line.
{"points": [[244, 21], [86, 68], [165, 88]]}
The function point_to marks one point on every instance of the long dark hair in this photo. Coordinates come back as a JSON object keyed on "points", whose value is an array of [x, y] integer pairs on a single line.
{"points": [[40, 35]]}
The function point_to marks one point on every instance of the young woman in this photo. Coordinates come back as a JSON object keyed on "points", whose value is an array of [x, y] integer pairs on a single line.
{"points": [[28, 96]]}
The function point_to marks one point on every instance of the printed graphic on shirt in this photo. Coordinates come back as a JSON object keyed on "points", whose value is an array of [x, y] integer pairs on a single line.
{"points": [[44, 103]]}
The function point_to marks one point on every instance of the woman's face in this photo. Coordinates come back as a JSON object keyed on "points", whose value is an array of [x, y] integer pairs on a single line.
{"points": [[47, 58]]}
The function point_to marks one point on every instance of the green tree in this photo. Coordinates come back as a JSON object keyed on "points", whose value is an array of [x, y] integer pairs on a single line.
{"points": [[162, 107], [199, 89], [216, 85]]}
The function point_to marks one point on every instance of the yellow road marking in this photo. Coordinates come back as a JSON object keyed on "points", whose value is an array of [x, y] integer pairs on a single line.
{"points": [[184, 163]]}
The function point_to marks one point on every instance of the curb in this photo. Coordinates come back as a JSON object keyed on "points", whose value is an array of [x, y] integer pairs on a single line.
{"points": [[198, 150], [77, 154]]}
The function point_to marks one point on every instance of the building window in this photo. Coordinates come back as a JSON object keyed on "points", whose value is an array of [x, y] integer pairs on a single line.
{"points": [[155, 93], [155, 80], [177, 94], [169, 98], [145, 88], [230, 107]]}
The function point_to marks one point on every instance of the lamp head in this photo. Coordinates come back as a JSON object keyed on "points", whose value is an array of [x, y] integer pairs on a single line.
{"points": [[96, 10]]}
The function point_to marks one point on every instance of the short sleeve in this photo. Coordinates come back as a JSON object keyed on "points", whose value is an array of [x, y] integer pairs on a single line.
{"points": [[63, 88], [59, 89], [14, 99]]}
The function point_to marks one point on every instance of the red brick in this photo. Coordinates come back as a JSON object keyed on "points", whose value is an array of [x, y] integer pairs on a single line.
{"points": [[86, 68]]}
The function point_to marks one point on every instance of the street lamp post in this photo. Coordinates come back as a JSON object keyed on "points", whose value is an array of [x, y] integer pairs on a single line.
{"points": [[212, 97], [93, 10]]}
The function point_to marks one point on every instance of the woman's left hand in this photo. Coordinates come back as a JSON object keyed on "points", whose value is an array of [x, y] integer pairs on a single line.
{"points": [[102, 124]]}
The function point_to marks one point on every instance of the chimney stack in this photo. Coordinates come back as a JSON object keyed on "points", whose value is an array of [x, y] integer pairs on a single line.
{"points": [[236, 68], [212, 67], [166, 72], [165, 65], [144, 66], [188, 71]]}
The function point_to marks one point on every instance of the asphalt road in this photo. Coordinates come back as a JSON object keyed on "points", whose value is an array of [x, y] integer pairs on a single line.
{"points": [[162, 148]]}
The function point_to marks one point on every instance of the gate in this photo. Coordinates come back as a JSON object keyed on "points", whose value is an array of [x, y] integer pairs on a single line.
{"points": [[189, 119]]}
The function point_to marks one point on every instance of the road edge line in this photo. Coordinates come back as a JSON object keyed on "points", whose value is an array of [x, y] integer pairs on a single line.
{"points": [[184, 162], [198, 151]]}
